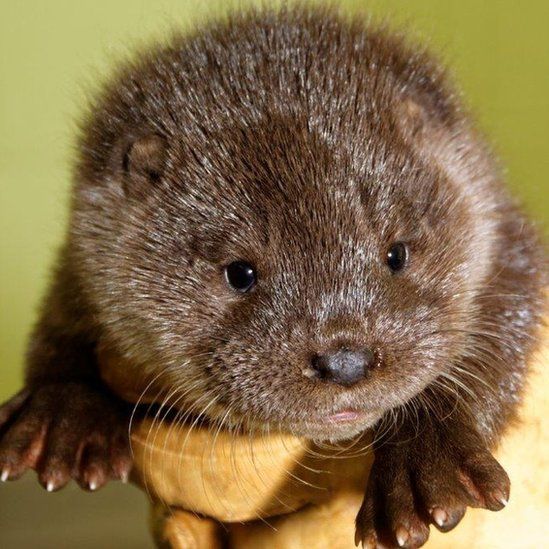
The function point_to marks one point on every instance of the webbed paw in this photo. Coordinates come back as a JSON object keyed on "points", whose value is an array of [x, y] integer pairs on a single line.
{"points": [[64, 431], [429, 479]]}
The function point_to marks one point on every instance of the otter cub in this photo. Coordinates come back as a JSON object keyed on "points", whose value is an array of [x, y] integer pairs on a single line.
{"points": [[287, 220]]}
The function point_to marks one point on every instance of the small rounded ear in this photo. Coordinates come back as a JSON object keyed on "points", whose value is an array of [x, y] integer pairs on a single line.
{"points": [[412, 117], [145, 157]]}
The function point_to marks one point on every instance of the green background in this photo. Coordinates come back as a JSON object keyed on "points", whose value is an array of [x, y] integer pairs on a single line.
{"points": [[51, 53]]}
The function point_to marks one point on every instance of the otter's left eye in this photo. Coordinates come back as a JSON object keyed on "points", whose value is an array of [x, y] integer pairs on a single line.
{"points": [[397, 256], [240, 275]]}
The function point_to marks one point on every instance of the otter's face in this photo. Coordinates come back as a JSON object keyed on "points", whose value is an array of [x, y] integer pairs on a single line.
{"points": [[271, 280]]}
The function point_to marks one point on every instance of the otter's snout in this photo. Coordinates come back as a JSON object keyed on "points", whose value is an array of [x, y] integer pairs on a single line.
{"points": [[344, 367]]}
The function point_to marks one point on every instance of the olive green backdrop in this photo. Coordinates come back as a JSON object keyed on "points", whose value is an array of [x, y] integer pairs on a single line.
{"points": [[51, 52]]}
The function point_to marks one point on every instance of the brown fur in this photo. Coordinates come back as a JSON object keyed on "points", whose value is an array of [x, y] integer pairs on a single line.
{"points": [[306, 145]]}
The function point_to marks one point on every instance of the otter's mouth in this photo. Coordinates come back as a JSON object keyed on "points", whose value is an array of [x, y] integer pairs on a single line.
{"points": [[339, 425], [347, 416]]}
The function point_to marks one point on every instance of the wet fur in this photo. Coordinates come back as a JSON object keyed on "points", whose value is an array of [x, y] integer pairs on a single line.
{"points": [[305, 144]]}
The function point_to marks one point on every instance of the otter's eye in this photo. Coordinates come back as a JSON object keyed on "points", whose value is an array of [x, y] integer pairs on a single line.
{"points": [[240, 275], [397, 256]]}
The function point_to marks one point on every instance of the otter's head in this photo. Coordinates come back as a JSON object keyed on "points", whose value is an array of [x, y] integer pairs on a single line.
{"points": [[294, 258]]}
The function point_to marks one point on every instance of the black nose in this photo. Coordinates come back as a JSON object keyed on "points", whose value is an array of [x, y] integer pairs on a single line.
{"points": [[344, 367]]}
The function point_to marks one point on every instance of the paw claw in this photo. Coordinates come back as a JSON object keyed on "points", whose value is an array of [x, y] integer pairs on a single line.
{"points": [[503, 500], [121, 469], [502, 497], [369, 542], [5, 475], [402, 536], [94, 478], [440, 516], [359, 539], [497, 501], [53, 480]]}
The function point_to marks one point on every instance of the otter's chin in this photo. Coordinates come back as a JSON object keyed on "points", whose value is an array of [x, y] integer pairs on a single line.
{"points": [[342, 425]]}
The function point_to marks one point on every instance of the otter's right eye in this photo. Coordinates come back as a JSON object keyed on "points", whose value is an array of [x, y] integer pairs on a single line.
{"points": [[397, 256], [240, 275]]}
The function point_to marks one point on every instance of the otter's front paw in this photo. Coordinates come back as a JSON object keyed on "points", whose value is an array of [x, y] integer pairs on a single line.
{"points": [[64, 431], [429, 479]]}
